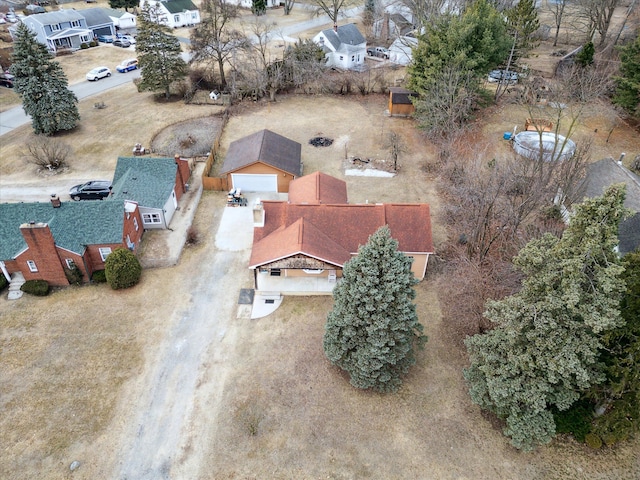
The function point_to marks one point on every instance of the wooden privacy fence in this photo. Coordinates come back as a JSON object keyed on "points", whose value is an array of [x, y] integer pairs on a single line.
{"points": [[215, 183]]}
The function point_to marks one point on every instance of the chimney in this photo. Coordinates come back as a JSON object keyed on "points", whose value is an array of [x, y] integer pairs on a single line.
{"points": [[55, 201], [258, 213], [335, 27]]}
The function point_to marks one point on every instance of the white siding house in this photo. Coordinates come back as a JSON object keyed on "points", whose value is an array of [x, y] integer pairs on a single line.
{"points": [[400, 51], [175, 13], [344, 48]]}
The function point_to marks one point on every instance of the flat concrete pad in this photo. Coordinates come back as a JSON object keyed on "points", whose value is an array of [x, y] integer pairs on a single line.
{"points": [[246, 296], [264, 305]]}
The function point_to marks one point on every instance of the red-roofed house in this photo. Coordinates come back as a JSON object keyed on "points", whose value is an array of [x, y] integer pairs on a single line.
{"points": [[300, 246]]}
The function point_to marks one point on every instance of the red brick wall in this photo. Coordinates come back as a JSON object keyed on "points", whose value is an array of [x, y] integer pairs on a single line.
{"points": [[183, 172], [129, 228], [92, 256], [42, 250]]}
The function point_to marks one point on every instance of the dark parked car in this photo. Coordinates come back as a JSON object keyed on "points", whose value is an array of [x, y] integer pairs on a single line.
{"points": [[93, 190], [6, 79], [121, 42]]}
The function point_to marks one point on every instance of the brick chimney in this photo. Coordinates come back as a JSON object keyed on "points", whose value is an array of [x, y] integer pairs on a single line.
{"points": [[55, 200]]}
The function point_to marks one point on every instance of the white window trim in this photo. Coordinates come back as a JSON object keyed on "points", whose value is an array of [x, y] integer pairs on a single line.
{"points": [[55, 27], [32, 266], [70, 263], [151, 218], [104, 252], [135, 223]]}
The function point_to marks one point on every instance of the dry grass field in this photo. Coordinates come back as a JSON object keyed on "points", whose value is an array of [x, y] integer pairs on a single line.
{"points": [[74, 363]]}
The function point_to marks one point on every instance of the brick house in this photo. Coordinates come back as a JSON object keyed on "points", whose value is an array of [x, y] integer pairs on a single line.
{"points": [[301, 245], [41, 240]]}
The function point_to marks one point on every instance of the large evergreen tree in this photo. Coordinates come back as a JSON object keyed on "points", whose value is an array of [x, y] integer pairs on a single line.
{"points": [[619, 395], [522, 23], [42, 85], [126, 4], [373, 328], [159, 53], [451, 58], [628, 83], [544, 349]]}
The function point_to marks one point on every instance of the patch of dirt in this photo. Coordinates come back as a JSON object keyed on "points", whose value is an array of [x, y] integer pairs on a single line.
{"points": [[191, 138]]}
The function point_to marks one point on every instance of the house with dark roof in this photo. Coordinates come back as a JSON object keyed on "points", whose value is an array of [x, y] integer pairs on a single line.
{"points": [[99, 21], [607, 172], [123, 21], [41, 240], [262, 162], [301, 245], [62, 29], [154, 184], [344, 46], [174, 13]]}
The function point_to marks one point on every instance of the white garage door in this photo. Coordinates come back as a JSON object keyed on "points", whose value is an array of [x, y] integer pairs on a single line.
{"points": [[255, 182]]}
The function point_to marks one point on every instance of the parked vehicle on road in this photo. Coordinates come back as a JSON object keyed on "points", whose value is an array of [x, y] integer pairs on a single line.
{"points": [[121, 42], [127, 65], [106, 38], [379, 52], [6, 79], [126, 36], [93, 190], [98, 73]]}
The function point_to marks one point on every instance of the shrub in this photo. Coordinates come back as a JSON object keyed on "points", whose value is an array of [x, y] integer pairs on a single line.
{"points": [[576, 420], [3, 282], [593, 441], [73, 274], [122, 269], [35, 287], [83, 46], [99, 276], [93, 43]]}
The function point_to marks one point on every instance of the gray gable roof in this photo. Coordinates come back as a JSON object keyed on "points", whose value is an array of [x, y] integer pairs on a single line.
{"points": [[177, 6], [96, 16], [346, 35], [604, 173], [267, 147], [74, 225], [147, 181], [52, 18], [112, 12]]}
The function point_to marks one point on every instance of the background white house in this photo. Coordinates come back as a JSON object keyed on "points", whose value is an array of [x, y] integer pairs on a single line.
{"points": [[174, 13], [401, 50], [344, 48]]}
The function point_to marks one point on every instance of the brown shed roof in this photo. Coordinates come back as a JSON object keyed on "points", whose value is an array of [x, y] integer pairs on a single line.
{"points": [[266, 147], [318, 188]]}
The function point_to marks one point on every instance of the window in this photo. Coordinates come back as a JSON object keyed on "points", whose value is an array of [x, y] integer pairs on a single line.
{"points": [[85, 38], [176, 18], [275, 272], [353, 58], [75, 23], [311, 271], [135, 223], [341, 58], [32, 266], [55, 27], [194, 16], [151, 218], [70, 263], [104, 252]]}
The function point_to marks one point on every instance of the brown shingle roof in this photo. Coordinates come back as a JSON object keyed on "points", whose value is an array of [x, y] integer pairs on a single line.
{"points": [[318, 188], [348, 226], [299, 237], [267, 147]]}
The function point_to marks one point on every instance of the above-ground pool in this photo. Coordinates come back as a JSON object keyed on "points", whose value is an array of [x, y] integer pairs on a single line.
{"points": [[545, 145]]}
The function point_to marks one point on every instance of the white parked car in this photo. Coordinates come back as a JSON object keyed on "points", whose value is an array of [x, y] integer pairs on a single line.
{"points": [[98, 73], [126, 36]]}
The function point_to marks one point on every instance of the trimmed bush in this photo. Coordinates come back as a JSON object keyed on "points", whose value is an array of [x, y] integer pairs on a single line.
{"points": [[93, 43], [36, 287], [83, 46], [122, 269], [3, 282], [99, 276], [74, 275], [593, 441]]}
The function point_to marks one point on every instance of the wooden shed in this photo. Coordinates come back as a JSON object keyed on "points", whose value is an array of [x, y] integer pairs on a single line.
{"points": [[400, 104], [262, 162]]}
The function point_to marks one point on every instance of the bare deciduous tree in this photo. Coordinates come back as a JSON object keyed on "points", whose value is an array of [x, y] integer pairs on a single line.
{"points": [[332, 8], [597, 14], [49, 153], [215, 40]]}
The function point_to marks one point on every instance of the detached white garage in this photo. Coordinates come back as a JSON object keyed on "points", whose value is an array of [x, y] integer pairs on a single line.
{"points": [[262, 162], [255, 182]]}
